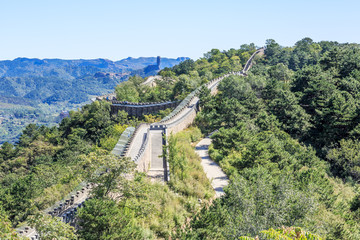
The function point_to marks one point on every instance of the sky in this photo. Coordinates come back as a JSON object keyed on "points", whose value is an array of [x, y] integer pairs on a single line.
{"points": [[117, 29]]}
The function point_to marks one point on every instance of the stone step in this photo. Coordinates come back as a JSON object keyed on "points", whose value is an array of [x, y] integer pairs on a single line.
{"points": [[156, 175], [156, 169]]}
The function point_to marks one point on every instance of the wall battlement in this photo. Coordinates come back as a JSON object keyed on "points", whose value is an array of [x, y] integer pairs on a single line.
{"points": [[181, 117], [139, 145], [140, 109]]}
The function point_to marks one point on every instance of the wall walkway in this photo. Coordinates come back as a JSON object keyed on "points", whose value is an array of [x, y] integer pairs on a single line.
{"points": [[144, 145], [212, 170], [179, 119]]}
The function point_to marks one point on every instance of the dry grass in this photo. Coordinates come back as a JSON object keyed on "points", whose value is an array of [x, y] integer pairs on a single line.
{"points": [[187, 175]]}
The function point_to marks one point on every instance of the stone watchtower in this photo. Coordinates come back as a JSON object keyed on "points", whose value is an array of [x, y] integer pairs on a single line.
{"points": [[158, 61]]}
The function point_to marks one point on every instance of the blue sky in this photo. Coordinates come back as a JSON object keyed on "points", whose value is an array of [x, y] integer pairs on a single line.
{"points": [[119, 29]]}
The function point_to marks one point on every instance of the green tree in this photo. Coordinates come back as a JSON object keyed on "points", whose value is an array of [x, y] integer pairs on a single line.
{"points": [[345, 159], [90, 123], [49, 227], [110, 174], [7, 151], [289, 233], [272, 51], [127, 91], [184, 67], [6, 230], [104, 219], [251, 205], [293, 117], [281, 73]]}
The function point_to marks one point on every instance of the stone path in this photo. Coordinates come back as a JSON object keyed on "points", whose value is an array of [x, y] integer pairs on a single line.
{"points": [[183, 113], [121, 144], [79, 198], [156, 171], [213, 171], [137, 142], [151, 81], [156, 149]]}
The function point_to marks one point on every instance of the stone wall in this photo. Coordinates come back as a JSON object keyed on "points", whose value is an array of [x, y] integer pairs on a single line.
{"points": [[143, 160], [168, 124], [140, 109], [182, 123], [67, 209]]}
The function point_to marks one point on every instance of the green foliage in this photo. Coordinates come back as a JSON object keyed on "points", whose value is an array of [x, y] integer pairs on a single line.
{"points": [[305, 52], [237, 101], [177, 82], [49, 227], [157, 207], [289, 233], [90, 123], [142, 210], [104, 219], [127, 91], [253, 203], [110, 176], [47, 163], [184, 67], [346, 159], [297, 108], [109, 141], [284, 132], [187, 176], [6, 230], [137, 209]]}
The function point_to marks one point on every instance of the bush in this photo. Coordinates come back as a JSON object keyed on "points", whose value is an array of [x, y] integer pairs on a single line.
{"points": [[187, 174]]}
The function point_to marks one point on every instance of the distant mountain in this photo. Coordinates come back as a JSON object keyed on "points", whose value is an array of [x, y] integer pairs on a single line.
{"points": [[22, 67], [37, 90], [142, 62], [51, 80]]}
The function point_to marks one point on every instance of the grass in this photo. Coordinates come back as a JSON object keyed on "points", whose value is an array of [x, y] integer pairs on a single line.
{"points": [[14, 106], [186, 173], [165, 209], [157, 208]]}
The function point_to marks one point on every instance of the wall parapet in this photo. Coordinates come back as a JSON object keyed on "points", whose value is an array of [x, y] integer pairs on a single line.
{"points": [[68, 207], [122, 144], [140, 109], [131, 139]]}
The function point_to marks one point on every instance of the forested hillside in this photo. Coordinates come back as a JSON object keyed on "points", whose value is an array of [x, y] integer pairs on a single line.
{"points": [[48, 163], [37, 90], [287, 137], [177, 82]]}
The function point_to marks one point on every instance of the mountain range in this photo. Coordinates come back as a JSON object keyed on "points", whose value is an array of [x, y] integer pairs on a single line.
{"points": [[51, 80], [36, 90]]}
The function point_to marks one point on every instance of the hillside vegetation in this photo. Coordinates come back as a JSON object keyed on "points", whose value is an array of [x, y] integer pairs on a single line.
{"points": [[37, 90], [47, 163], [287, 138], [177, 82]]}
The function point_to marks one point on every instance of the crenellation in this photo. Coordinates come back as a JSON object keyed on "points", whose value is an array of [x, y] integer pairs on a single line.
{"points": [[140, 109], [179, 119]]}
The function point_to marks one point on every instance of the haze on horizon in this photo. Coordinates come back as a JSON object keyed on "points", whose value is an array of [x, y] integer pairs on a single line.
{"points": [[119, 29]]}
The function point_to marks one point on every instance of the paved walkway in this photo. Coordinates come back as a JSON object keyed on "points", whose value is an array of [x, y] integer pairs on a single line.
{"points": [[137, 141], [213, 171], [33, 235], [156, 171]]}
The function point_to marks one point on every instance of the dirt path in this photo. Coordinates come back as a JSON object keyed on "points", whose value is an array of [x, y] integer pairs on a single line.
{"points": [[213, 171]]}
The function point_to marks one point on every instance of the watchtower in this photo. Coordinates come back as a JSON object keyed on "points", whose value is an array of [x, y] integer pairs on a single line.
{"points": [[158, 61]]}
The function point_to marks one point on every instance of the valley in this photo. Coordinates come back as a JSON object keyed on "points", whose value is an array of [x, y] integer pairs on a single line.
{"points": [[283, 127], [37, 91]]}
